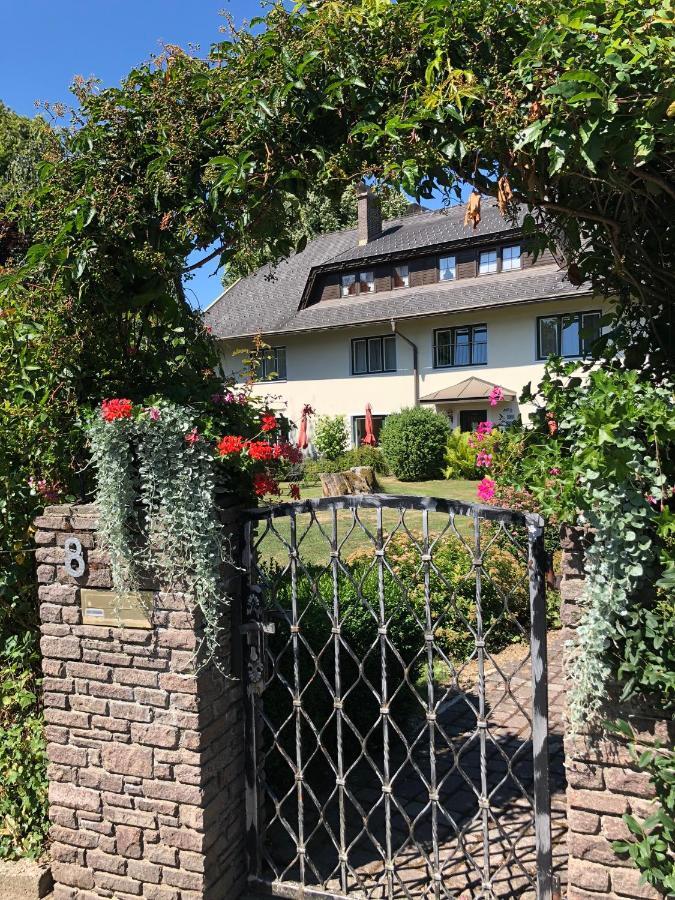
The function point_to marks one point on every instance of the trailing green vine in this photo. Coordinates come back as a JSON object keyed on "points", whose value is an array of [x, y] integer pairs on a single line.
{"points": [[603, 457], [611, 449], [159, 468]]}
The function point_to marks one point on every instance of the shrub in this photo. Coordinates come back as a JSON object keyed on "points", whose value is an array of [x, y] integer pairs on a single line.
{"points": [[365, 456], [23, 760], [460, 458], [331, 437], [413, 442]]}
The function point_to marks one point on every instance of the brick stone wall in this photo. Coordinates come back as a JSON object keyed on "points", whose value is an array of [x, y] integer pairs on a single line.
{"points": [[145, 756], [603, 782]]}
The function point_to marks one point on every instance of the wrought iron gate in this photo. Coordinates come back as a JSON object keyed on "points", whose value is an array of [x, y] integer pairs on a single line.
{"points": [[392, 750]]}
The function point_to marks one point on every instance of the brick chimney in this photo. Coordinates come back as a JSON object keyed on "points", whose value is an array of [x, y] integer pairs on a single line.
{"points": [[369, 214]]}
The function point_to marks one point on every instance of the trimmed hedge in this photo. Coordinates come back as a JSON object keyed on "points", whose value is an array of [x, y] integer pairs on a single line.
{"points": [[413, 442]]}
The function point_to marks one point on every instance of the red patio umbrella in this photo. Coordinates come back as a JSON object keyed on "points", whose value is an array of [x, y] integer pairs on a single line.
{"points": [[303, 442], [369, 436]]}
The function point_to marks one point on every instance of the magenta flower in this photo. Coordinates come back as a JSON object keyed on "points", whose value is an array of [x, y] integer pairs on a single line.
{"points": [[483, 459], [154, 413], [486, 489], [496, 395], [554, 470]]}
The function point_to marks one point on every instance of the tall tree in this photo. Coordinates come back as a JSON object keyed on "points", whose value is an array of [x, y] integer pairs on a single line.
{"points": [[569, 112]]}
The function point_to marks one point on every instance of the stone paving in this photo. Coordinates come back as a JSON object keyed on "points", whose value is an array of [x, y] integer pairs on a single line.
{"points": [[468, 865]]}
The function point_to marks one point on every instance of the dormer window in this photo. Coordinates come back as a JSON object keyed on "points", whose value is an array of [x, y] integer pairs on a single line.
{"points": [[357, 283], [488, 262], [511, 258], [348, 285], [401, 276], [447, 268], [367, 282]]}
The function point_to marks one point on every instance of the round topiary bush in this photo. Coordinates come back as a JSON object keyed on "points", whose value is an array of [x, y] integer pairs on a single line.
{"points": [[413, 442]]}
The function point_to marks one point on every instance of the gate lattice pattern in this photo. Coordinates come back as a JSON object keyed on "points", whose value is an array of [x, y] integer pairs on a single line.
{"points": [[378, 763]]}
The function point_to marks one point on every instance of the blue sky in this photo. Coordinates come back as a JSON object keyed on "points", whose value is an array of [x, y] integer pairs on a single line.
{"points": [[45, 43]]}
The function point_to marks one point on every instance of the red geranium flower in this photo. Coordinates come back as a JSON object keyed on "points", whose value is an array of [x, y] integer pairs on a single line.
{"points": [[268, 422], [263, 484], [295, 491], [116, 409], [260, 450], [231, 443]]}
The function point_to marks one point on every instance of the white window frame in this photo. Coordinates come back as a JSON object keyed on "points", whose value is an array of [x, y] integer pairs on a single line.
{"points": [[450, 268], [404, 276], [489, 262], [511, 263], [369, 282]]}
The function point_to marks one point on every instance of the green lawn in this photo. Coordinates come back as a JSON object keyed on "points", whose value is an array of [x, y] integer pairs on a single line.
{"points": [[315, 547]]}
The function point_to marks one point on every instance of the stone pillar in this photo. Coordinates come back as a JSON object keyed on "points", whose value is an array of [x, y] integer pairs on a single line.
{"points": [[602, 781], [145, 756]]}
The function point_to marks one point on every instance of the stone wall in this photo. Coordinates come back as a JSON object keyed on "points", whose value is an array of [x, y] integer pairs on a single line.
{"points": [[145, 756], [603, 782]]}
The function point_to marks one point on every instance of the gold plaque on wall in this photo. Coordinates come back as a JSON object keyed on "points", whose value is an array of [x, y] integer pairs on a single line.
{"points": [[111, 609]]}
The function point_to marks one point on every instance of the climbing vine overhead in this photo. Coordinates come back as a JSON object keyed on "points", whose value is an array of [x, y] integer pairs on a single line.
{"points": [[573, 111]]}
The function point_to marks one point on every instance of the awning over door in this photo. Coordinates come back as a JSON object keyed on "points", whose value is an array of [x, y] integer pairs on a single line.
{"points": [[469, 390]]}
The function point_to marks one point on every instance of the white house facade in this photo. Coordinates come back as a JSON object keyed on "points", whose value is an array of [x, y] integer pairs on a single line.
{"points": [[419, 310]]}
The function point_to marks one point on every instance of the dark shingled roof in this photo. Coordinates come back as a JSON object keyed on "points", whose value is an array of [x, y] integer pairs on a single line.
{"points": [[268, 301]]}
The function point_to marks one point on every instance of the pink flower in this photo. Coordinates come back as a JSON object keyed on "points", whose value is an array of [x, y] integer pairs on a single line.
{"points": [[496, 395], [49, 491], [486, 489], [192, 436], [554, 470], [483, 459], [154, 413]]}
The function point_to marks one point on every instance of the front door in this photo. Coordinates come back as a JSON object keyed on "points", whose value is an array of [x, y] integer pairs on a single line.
{"points": [[469, 419]]}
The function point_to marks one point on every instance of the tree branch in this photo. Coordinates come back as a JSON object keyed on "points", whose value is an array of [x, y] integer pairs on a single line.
{"points": [[654, 179], [203, 261]]}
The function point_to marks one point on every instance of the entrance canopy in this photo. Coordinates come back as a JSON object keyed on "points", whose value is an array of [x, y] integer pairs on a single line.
{"points": [[468, 391]]}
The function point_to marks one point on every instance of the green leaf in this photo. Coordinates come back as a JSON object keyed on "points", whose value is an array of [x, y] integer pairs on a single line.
{"points": [[586, 76]]}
